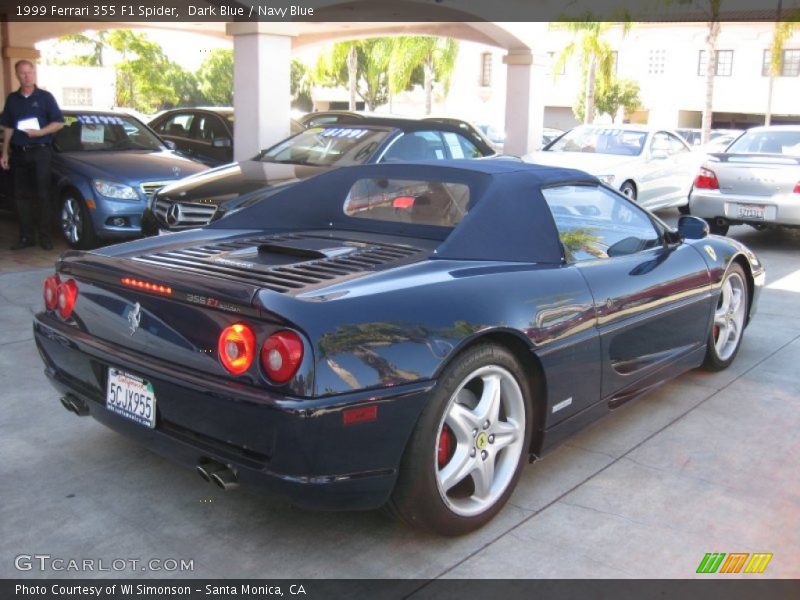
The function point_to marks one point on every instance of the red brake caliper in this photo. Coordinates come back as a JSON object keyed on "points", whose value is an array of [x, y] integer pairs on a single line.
{"points": [[446, 446]]}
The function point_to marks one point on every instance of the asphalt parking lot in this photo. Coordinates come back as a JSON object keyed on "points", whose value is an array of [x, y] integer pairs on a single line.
{"points": [[706, 463]]}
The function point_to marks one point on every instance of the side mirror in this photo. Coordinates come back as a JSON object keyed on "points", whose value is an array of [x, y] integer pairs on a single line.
{"points": [[170, 144], [222, 142], [692, 228]]}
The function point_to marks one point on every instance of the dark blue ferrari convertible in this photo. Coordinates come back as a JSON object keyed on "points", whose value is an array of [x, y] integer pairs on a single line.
{"points": [[394, 335]]}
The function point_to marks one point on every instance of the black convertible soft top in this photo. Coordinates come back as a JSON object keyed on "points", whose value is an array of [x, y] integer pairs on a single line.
{"points": [[507, 219]]}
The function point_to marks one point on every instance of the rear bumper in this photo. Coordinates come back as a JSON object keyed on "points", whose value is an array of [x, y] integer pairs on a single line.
{"points": [[780, 209], [294, 447]]}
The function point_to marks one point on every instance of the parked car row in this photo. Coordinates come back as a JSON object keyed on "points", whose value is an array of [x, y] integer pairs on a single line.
{"points": [[114, 178]]}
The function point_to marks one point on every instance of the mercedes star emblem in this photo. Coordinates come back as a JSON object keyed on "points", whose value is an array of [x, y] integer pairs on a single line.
{"points": [[174, 214]]}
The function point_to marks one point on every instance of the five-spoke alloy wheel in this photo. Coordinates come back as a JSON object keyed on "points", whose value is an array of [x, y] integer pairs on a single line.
{"points": [[76, 225], [729, 320], [480, 441], [469, 446]]}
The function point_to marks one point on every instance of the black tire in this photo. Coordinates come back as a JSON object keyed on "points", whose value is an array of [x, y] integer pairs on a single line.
{"points": [[75, 222], [686, 209], [715, 228], [628, 189], [720, 354], [416, 498]]}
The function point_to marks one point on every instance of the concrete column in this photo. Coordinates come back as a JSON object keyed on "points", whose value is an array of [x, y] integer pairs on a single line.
{"points": [[10, 55], [524, 103], [261, 86]]}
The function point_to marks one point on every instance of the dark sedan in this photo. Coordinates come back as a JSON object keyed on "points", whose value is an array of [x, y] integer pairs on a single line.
{"points": [[198, 200], [106, 168], [203, 134], [396, 335]]}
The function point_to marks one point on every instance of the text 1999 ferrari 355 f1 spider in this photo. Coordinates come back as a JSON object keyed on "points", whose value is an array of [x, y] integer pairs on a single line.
{"points": [[393, 335]]}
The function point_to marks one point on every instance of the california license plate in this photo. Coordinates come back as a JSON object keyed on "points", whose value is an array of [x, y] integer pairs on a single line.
{"points": [[131, 397], [751, 211]]}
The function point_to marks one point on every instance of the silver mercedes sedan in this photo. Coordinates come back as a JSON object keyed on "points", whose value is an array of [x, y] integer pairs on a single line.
{"points": [[755, 181]]}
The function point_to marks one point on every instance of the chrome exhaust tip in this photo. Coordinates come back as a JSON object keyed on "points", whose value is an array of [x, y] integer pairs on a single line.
{"points": [[219, 474], [225, 479], [206, 469], [74, 405], [66, 404]]}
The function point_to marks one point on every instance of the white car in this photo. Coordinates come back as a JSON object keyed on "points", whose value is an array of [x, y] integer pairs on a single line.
{"points": [[655, 167]]}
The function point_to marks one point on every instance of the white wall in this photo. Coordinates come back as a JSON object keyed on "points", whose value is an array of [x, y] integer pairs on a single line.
{"points": [[58, 79]]}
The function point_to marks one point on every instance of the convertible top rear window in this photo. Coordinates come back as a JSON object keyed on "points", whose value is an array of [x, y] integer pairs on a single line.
{"points": [[408, 201]]}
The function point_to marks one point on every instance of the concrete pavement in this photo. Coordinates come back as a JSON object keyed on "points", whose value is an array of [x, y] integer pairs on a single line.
{"points": [[707, 463]]}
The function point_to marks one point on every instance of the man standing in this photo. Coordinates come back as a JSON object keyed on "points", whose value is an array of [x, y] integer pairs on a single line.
{"points": [[30, 118]]}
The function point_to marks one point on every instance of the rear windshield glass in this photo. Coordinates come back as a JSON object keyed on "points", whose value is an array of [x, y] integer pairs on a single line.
{"points": [[601, 140], [767, 142], [340, 146], [408, 201]]}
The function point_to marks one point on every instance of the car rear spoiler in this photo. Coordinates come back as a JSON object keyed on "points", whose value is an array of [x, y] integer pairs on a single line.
{"points": [[183, 286], [731, 157]]}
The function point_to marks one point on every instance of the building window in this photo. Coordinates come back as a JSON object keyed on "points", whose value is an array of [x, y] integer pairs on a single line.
{"points": [[790, 66], [78, 96], [655, 62], [790, 63], [765, 63], [724, 66], [486, 69], [553, 59]]}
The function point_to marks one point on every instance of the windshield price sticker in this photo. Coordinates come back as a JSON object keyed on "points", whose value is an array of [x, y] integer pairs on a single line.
{"points": [[343, 132], [99, 120]]}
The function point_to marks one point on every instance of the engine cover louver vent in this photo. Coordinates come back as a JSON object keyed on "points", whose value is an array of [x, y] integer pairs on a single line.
{"points": [[286, 263]]}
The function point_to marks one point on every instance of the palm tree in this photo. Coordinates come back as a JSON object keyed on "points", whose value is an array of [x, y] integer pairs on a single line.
{"points": [[360, 64], [711, 66], [436, 56], [328, 69], [596, 55], [782, 32]]}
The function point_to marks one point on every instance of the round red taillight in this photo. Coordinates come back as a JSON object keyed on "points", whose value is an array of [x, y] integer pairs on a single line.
{"points": [[50, 292], [67, 294], [281, 356], [237, 348]]}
